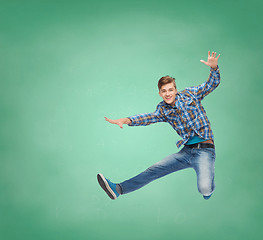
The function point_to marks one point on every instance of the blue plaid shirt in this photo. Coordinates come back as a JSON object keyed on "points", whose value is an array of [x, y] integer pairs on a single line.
{"points": [[187, 117]]}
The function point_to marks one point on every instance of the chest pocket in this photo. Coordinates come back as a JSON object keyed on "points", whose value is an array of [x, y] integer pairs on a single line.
{"points": [[190, 105], [189, 110]]}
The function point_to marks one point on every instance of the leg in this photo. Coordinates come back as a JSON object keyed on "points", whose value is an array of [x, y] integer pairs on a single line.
{"points": [[203, 163], [172, 163]]}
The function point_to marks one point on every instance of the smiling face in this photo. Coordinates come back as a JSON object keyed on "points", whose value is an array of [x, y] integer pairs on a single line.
{"points": [[168, 93]]}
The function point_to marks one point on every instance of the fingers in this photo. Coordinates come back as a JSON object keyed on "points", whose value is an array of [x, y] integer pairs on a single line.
{"points": [[211, 58], [119, 123], [213, 54], [109, 120], [204, 62]]}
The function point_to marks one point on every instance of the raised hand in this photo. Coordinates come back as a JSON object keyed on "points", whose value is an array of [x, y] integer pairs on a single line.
{"points": [[211, 60]]}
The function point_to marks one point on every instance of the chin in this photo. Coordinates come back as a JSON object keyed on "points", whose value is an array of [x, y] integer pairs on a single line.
{"points": [[169, 102]]}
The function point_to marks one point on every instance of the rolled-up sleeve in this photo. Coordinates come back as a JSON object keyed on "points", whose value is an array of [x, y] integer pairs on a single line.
{"points": [[148, 118]]}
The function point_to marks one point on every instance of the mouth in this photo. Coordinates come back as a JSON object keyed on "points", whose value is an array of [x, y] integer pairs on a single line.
{"points": [[168, 98]]}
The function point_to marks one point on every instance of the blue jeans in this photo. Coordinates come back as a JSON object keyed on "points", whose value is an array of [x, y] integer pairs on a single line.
{"points": [[202, 160]]}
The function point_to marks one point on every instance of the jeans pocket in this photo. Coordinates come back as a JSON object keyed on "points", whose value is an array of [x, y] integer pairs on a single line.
{"points": [[210, 151]]}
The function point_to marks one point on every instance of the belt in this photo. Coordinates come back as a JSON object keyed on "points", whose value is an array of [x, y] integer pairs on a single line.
{"points": [[201, 145]]}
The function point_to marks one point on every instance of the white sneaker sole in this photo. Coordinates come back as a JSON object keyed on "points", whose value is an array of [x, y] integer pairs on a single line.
{"points": [[105, 186]]}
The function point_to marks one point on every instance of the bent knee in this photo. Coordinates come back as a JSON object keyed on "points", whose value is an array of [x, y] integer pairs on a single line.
{"points": [[205, 189]]}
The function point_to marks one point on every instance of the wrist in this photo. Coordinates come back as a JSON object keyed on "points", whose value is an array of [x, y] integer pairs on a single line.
{"points": [[126, 121], [214, 67]]}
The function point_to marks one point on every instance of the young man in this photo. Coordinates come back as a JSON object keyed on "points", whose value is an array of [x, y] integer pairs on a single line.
{"points": [[185, 113]]}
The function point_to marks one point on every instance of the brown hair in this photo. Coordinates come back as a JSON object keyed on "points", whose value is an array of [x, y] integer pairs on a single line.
{"points": [[164, 80]]}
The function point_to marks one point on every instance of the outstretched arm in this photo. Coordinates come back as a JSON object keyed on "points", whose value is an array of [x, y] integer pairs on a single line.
{"points": [[140, 119]]}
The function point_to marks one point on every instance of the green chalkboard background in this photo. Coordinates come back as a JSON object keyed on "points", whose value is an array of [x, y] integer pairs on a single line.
{"points": [[64, 65]]}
